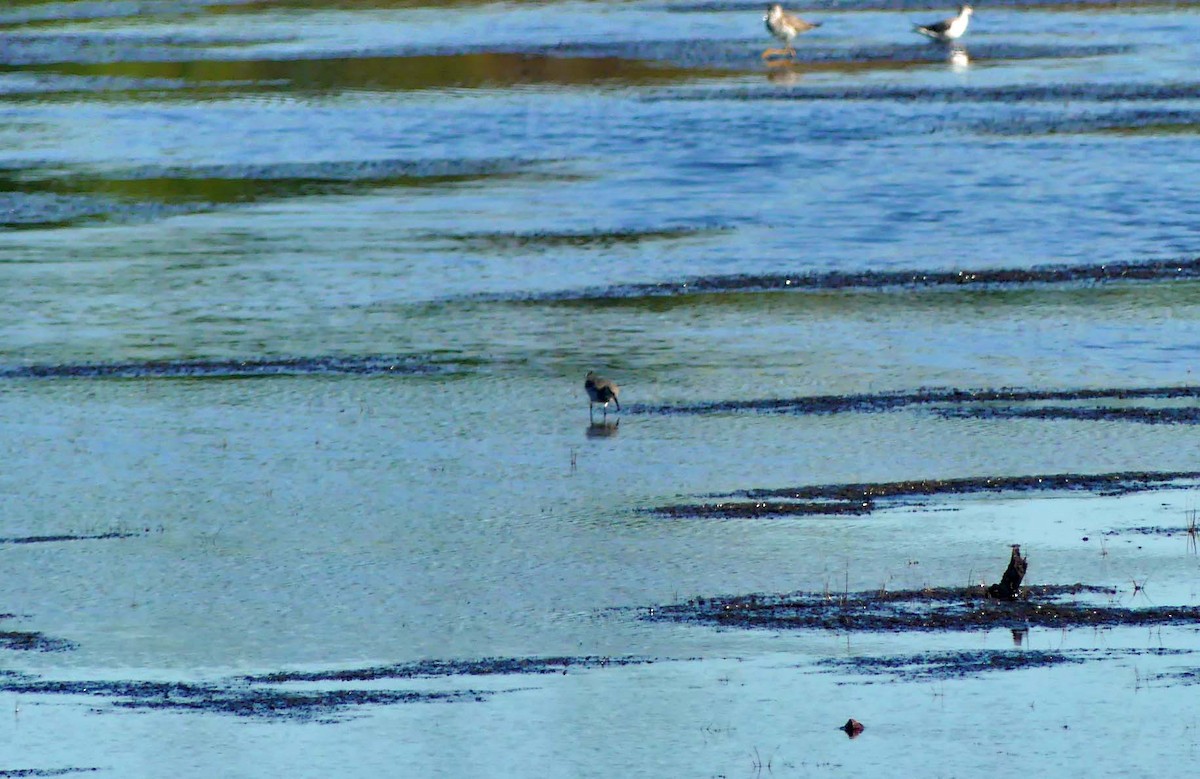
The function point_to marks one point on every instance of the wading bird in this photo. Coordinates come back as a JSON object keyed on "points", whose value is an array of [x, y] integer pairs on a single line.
{"points": [[947, 29], [784, 26], [600, 391]]}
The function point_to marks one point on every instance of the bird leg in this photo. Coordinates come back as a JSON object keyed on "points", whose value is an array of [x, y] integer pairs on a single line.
{"points": [[773, 53]]}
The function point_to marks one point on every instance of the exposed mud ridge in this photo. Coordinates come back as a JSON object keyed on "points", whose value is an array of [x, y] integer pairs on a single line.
{"points": [[1008, 95], [45, 771], [154, 61], [890, 401], [1105, 483], [37, 198], [714, 58], [948, 665], [864, 498], [313, 172], [945, 609], [711, 57], [237, 699], [53, 539], [171, 369], [761, 509], [939, 666], [28, 641], [267, 696], [1148, 416], [183, 189], [158, 76], [1143, 120], [1188, 677], [548, 241], [437, 668], [1152, 530], [1148, 270]]}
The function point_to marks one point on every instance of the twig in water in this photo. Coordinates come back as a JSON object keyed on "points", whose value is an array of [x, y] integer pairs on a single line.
{"points": [[1141, 587], [1191, 530], [757, 764]]}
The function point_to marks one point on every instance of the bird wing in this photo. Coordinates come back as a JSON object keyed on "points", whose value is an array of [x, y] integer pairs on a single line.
{"points": [[937, 27], [800, 24]]}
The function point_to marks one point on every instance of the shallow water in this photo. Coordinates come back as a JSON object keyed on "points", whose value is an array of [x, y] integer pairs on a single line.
{"points": [[298, 298]]}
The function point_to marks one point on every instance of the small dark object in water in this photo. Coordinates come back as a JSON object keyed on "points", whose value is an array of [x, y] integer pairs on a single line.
{"points": [[1009, 587], [600, 391], [852, 728]]}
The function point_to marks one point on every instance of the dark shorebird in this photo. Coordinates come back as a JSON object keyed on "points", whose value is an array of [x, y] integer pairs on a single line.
{"points": [[601, 391], [947, 29], [784, 26]]}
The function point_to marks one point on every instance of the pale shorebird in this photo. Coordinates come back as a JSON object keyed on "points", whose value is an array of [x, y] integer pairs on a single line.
{"points": [[600, 391], [784, 26], [947, 29]]}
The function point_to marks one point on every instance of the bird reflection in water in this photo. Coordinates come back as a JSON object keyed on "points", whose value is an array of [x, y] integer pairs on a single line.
{"points": [[957, 57], [783, 72], [603, 429]]}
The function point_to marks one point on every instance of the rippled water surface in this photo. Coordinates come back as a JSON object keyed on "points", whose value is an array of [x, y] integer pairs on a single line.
{"points": [[298, 297]]}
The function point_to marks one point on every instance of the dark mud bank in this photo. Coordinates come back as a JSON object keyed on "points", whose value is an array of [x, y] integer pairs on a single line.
{"points": [[429, 669], [1147, 416], [30, 641], [406, 365], [944, 665], [1048, 275], [954, 402], [935, 609], [864, 498], [270, 696], [106, 536]]}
